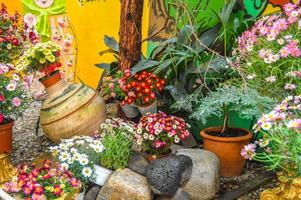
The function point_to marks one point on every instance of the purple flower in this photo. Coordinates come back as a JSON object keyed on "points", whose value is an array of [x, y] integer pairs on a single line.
{"points": [[248, 152]]}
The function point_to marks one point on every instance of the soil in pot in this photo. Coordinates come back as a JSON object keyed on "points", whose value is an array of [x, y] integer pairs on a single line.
{"points": [[228, 148]]}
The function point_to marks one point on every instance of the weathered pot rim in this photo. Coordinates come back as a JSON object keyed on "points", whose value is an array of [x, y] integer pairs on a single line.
{"points": [[155, 102], [204, 134], [7, 126]]}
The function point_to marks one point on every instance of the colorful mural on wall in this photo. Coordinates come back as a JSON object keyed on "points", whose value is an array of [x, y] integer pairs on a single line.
{"points": [[162, 12]]}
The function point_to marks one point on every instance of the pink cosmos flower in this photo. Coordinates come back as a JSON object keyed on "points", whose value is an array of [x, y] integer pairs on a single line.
{"points": [[295, 123], [36, 196], [16, 101], [111, 86], [289, 86], [248, 152], [288, 8], [284, 52]]}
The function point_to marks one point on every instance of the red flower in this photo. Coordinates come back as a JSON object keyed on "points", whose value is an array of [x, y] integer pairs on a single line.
{"points": [[1, 118], [57, 190], [39, 190], [26, 190]]}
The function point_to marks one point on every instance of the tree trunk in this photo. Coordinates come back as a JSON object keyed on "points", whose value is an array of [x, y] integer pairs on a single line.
{"points": [[130, 33]]}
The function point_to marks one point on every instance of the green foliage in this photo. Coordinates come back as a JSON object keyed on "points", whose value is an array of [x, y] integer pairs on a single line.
{"points": [[117, 150], [245, 101]]}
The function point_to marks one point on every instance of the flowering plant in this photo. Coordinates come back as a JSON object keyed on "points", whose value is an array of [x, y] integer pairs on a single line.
{"points": [[279, 147], [141, 88], [111, 86], [49, 181], [117, 136], [13, 97], [42, 57], [156, 133], [268, 55], [78, 155], [12, 36]]}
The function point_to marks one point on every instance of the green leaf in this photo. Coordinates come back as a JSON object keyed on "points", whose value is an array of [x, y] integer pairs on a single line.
{"points": [[111, 43], [207, 38], [143, 65], [104, 66]]}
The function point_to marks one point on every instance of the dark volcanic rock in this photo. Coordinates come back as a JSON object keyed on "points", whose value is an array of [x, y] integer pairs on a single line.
{"points": [[92, 193], [166, 175], [138, 163]]}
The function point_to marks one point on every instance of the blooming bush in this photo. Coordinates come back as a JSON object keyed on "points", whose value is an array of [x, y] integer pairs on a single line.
{"points": [[42, 57], [111, 86], [141, 88], [50, 181], [156, 133], [279, 147], [268, 55], [117, 136], [13, 37], [78, 155], [13, 96]]}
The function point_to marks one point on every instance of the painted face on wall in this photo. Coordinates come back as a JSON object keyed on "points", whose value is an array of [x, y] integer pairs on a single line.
{"points": [[44, 3]]}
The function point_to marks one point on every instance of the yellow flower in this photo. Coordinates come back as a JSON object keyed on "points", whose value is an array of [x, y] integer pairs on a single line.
{"points": [[42, 60], [51, 58], [49, 188], [63, 186], [47, 52], [9, 46], [19, 67]]}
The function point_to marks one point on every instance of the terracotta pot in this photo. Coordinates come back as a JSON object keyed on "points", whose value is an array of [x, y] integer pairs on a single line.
{"points": [[71, 109], [51, 80], [151, 109], [227, 150], [151, 157], [6, 137], [130, 111]]}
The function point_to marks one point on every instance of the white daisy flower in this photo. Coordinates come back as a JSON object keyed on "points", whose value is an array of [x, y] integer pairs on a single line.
{"points": [[64, 156], [139, 130], [87, 171], [83, 161], [145, 135], [177, 139], [70, 160], [63, 146], [103, 126], [151, 137]]}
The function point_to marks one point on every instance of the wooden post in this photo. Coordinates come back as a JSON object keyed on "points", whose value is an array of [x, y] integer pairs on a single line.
{"points": [[130, 33]]}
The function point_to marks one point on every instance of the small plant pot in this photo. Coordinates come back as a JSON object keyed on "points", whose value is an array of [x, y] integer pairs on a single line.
{"points": [[49, 81], [151, 109], [6, 137], [101, 174], [227, 149], [130, 110], [151, 157]]}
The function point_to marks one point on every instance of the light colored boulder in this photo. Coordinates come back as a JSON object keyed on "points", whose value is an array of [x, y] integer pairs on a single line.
{"points": [[204, 182], [125, 185]]}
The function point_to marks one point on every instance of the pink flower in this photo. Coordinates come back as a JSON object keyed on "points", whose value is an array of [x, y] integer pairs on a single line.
{"points": [[284, 52], [111, 86], [36, 196], [74, 182], [11, 187], [248, 152], [26, 190], [159, 144], [113, 94], [289, 86], [288, 8], [295, 123], [16, 101], [2, 98], [1, 118]]}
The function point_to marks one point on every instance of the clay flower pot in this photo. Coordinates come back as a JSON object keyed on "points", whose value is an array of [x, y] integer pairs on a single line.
{"points": [[151, 109], [6, 137], [227, 150], [130, 110], [151, 157], [70, 109]]}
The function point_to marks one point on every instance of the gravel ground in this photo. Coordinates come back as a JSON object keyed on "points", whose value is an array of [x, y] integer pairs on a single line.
{"points": [[28, 145]]}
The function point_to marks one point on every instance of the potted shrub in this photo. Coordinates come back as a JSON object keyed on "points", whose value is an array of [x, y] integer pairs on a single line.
{"points": [[42, 59], [268, 55], [79, 155], [278, 148], [226, 142], [117, 137], [142, 89], [50, 181], [156, 132], [112, 88]]}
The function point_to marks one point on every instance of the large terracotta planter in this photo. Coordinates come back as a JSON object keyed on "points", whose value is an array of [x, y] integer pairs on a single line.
{"points": [[6, 137], [227, 150], [70, 109]]}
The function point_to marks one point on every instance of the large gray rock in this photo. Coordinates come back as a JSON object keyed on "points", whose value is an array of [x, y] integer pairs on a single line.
{"points": [[125, 185], [180, 195], [92, 193], [205, 178], [138, 163], [166, 175]]}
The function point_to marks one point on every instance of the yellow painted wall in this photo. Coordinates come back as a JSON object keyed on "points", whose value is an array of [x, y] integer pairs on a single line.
{"points": [[91, 22]]}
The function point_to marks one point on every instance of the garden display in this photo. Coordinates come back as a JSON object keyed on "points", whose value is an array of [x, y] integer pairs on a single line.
{"points": [[204, 104]]}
